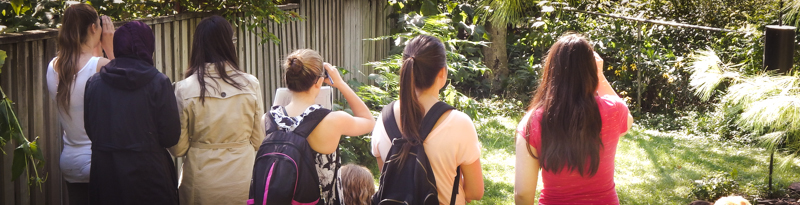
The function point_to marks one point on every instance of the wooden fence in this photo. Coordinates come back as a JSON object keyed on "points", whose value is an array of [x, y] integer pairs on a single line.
{"points": [[335, 28]]}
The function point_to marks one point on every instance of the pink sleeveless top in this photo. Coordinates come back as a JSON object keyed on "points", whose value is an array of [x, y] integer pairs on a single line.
{"points": [[569, 187]]}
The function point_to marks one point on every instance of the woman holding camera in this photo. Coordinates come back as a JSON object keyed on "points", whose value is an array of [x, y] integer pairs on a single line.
{"points": [[305, 75], [81, 41]]}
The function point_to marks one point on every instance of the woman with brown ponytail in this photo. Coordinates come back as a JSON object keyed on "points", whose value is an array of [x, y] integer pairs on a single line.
{"points": [[452, 142], [79, 56], [305, 74]]}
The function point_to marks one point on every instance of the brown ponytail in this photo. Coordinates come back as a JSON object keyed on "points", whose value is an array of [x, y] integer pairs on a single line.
{"points": [[423, 58], [303, 68], [72, 34]]}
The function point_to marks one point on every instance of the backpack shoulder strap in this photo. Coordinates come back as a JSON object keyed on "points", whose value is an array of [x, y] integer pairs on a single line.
{"points": [[431, 117], [389, 123], [270, 125], [311, 121]]}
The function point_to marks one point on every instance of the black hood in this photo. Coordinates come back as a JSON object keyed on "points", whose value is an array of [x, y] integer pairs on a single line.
{"points": [[127, 73]]}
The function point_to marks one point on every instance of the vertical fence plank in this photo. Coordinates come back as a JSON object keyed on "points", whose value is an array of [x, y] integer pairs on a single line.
{"points": [[186, 33], [7, 186], [52, 139], [168, 52], [37, 97], [159, 53], [22, 104]]}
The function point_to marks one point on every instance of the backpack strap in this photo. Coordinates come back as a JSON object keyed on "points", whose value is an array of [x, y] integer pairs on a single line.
{"points": [[311, 121], [428, 122], [390, 123], [431, 117], [455, 186]]}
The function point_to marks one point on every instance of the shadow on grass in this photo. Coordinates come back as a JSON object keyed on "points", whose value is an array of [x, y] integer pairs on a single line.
{"points": [[659, 168], [496, 193]]}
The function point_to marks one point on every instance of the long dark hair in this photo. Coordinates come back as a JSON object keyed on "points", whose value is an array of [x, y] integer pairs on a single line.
{"points": [[570, 121], [303, 69], [72, 34], [213, 43], [423, 58]]}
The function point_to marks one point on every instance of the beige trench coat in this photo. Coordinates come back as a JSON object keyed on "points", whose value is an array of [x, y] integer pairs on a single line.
{"points": [[218, 138]]}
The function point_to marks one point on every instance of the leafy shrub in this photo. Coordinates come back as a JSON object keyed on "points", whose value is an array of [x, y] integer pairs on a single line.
{"points": [[715, 185]]}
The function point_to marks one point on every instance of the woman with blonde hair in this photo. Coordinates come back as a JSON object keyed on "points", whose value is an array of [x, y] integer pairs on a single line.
{"points": [[82, 38], [305, 74]]}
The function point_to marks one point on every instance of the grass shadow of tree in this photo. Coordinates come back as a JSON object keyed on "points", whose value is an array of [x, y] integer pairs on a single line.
{"points": [[663, 166]]}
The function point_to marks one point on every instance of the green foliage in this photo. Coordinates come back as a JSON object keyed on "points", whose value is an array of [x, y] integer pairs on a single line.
{"points": [[254, 14], [714, 186], [646, 63], [504, 12], [27, 156], [22, 15]]}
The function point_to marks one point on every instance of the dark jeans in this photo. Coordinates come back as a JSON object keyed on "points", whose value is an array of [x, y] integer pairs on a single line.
{"points": [[78, 193]]}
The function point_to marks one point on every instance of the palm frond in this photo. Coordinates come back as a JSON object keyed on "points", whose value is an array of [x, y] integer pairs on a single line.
{"points": [[504, 11], [708, 72], [748, 90], [772, 140], [781, 112], [791, 11]]}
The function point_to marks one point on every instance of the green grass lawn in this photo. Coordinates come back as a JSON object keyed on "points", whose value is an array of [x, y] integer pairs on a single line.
{"points": [[651, 167]]}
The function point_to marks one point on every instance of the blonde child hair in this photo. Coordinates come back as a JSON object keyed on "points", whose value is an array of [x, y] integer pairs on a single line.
{"points": [[732, 200], [358, 185]]}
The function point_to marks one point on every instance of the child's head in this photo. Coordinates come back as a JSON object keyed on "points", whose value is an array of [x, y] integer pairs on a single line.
{"points": [[732, 200], [357, 184]]}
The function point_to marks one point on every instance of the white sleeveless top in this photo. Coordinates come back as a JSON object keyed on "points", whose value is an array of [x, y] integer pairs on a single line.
{"points": [[77, 154]]}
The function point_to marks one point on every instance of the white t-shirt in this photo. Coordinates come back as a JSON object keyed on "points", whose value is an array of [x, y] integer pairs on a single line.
{"points": [[452, 143], [77, 154]]}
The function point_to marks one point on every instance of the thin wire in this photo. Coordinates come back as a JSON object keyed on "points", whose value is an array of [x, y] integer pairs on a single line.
{"points": [[668, 23]]}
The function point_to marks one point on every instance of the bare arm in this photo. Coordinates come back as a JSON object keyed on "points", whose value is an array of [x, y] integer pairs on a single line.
{"points": [[473, 181], [362, 121], [325, 138], [526, 173], [604, 88], [107, 38]]}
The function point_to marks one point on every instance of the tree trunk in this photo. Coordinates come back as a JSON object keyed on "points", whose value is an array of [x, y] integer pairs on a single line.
{"points": [[495, 55]]}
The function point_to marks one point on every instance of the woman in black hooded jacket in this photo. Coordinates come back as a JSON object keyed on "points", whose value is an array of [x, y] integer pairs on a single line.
{"points": [[132, 117]]}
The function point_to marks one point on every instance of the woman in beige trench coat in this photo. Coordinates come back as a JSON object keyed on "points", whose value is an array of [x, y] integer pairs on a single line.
{"points": [[220, 109]]}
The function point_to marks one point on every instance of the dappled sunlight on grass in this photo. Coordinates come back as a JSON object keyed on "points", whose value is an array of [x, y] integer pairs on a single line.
{"points": [[497, 160], [659, 168]]}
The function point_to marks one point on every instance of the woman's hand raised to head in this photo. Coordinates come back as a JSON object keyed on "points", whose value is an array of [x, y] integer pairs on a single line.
{"points": [[334, 76], [107, 37], [599, 61]]}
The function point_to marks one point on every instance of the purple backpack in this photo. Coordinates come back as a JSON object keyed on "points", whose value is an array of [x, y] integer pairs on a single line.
{"points": [[284, 171]]}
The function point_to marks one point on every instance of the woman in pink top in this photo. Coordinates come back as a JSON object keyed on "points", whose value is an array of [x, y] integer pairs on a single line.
{"points": [[571, 130]]}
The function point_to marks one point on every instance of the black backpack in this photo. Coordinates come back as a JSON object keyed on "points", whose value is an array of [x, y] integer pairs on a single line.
{"points": [[284, 171], [413, 183]]}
